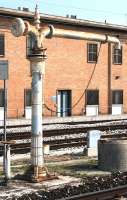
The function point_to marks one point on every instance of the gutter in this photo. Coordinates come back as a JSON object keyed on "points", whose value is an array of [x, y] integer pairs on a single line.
{"points": [[12, 13]]}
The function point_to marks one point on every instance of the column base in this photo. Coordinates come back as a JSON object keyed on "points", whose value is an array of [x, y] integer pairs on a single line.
{"points": [[39, 174], [92, 152]]}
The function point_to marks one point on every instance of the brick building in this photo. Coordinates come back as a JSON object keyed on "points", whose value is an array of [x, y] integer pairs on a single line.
{"points": [[81, 77]]}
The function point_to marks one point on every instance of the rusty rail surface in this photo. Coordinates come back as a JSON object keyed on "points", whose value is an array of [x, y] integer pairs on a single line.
{"points": [[109, 194]]}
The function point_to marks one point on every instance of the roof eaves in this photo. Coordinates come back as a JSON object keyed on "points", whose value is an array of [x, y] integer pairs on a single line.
{"points": [[62, 20]]}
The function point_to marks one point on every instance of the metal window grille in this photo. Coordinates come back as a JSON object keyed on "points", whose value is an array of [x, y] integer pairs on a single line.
{"points": [[92, 52], [117, 97], [92, 97]]}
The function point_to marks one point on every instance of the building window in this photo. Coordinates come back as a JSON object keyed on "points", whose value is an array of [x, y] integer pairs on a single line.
{"points": [[2, 46], [92, 52], [92, 97], [117, 56], [1, 97], [117, 97], [28, 98]]}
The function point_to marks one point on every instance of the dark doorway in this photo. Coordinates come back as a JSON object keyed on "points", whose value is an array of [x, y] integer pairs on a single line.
{"points": [[63, 103]]}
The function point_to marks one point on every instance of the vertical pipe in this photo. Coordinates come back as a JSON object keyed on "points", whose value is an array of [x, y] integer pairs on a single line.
{"points": [[5, 117], [8, 168], [37, 118], [37, 65], [64, 103], [109, 79], [5, 109], [58, 104]]}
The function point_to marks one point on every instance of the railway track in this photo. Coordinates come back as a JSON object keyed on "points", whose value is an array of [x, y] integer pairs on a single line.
{"points": [[117, 193], [58, 131], [60, 136], [74, 193], [25, 147]]}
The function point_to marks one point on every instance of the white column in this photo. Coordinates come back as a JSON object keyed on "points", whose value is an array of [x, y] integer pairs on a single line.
{"points": [[8, 164], [37, 65]]}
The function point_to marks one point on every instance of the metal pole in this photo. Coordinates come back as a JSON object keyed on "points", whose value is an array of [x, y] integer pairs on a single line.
{"points": [[5, 137], [5, 109], [8, 168], [37, 64]]}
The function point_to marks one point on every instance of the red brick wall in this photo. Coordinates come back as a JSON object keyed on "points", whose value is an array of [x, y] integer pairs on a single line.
{"points": [[19, 71], [121, 71], [66, 68]]}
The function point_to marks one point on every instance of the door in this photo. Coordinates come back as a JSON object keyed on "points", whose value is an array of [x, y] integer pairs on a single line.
{"points": [[63, 103]]}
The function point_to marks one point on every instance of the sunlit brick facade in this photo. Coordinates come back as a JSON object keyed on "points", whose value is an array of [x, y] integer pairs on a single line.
{"points": [[69, 75]]}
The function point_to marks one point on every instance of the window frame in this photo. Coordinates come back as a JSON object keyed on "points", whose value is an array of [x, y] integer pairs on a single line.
{"points": [[89, 104], [88, 53], [115, 56], [113, 102], [25, 98], [2, 104], [69, 101], [3, 45]]}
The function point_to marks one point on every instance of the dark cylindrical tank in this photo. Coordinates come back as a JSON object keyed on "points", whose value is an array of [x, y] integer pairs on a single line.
{"points": [[112, 155]]}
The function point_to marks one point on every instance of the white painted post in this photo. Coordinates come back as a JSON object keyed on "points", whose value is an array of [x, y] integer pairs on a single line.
{"points": [[92, 142], [59, 104], [8, 163], [37, 61], [37, 67]]}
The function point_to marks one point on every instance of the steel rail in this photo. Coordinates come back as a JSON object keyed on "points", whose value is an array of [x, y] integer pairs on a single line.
{"points": [[93, 121], [109, 194], [114, 136]]}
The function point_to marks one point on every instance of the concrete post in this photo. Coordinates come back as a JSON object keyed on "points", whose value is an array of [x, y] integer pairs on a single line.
{"points": [[92, 142]]}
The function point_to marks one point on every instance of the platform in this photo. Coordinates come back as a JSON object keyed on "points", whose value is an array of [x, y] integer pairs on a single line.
{"points": [[66, 119]]}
